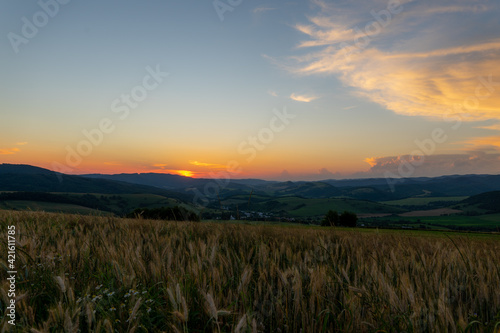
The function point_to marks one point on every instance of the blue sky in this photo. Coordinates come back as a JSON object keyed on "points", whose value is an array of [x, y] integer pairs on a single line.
{"points": [[356, 117]]}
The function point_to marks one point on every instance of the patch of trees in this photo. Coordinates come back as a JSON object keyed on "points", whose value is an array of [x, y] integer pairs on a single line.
{"points": [[346, 219], [165, 213]]}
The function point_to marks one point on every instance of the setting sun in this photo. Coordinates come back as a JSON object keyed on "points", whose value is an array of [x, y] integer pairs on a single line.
{"points": [[184, 173]]}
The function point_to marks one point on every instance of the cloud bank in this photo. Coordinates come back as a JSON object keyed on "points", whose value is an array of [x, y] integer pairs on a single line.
{"points": [[474, 162]]}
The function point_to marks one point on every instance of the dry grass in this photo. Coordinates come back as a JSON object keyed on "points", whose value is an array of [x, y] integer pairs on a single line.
{"points": [[92, 274]]}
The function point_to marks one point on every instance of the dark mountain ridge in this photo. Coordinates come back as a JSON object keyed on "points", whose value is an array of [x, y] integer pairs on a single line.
{"points": [[29, 178], [33, 179]]}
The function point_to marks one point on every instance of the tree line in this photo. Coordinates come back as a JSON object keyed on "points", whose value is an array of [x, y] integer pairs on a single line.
{"points": [[346, 219]]}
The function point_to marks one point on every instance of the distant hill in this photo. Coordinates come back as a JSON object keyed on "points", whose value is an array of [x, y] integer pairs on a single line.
{"points": [[166, 181], [23, 169], [186, 185], [374, 189], [300, 189], [32, 179], [169, 181], [85, 200], [378, 189], [293, 206], [489, 202], [29, 178]]}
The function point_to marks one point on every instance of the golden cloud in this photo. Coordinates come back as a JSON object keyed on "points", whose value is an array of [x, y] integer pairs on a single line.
{"points": [[484, 143], [303, 98], [372, 161], [9, 151], [428, 81], [208, 165]]}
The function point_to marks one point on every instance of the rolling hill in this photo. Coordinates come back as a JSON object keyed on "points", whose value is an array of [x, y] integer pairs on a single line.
{"points": [[453, 185], [32, 179], [122, 192], [488, 203], [293, 206]]}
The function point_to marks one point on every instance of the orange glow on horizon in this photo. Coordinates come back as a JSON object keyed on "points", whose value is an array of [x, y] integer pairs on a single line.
{"points": [[269, 164], [185, 173], [258, 171]]}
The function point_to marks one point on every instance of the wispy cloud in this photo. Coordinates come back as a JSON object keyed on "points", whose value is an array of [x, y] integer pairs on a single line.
{"points": [[493, 127], [258, 10], [483, 143], [272, 93], [303, 98], [9, 151], [12, 151], [425, 78], [208, 165], [447, 9]]}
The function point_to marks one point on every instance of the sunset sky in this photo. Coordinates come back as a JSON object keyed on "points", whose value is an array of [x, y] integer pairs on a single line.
{"points": [[285, 90]]}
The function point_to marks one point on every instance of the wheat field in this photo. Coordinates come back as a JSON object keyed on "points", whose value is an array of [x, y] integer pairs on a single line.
{"points": [[97, 274]]}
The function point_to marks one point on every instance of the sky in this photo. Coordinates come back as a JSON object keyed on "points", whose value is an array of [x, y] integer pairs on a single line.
{"points": [[283, 90]]}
